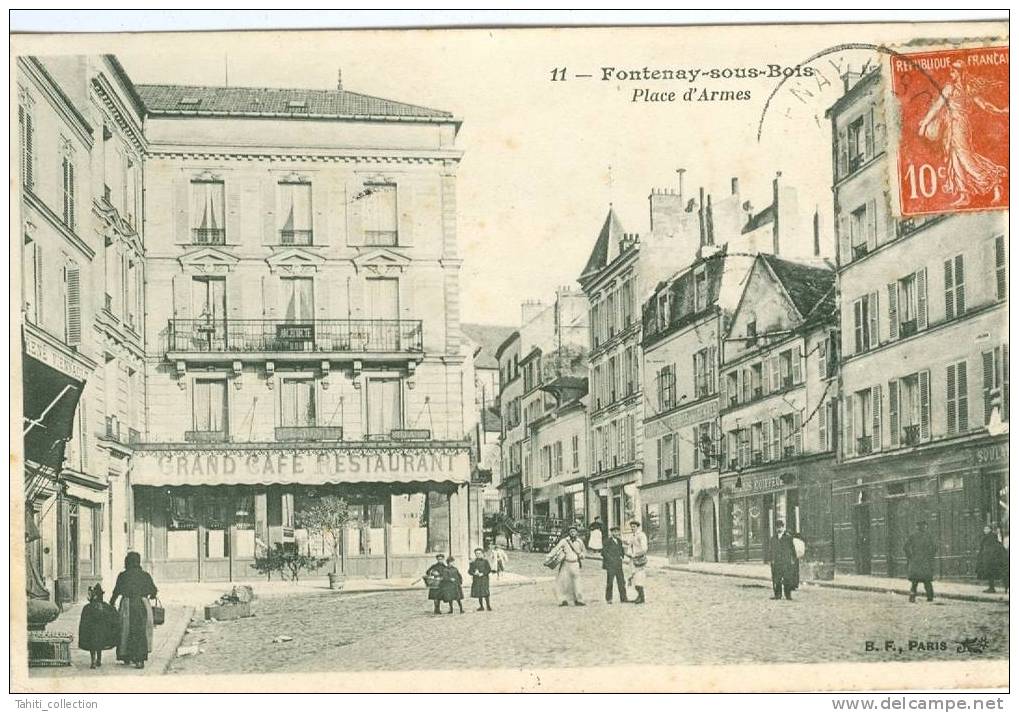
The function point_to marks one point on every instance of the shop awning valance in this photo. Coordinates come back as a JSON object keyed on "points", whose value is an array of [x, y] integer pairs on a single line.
{"points": [[301, 466]]}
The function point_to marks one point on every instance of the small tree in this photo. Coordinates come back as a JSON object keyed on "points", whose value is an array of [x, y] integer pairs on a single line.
{"points": [[328, 517]]}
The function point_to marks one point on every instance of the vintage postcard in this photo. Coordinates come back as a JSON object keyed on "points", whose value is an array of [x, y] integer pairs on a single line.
{"points": [[561, 359]]}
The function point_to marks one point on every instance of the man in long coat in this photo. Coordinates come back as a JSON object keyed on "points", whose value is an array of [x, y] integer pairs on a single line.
{"points": [[920, 550], [612, 556], [785, 566]]}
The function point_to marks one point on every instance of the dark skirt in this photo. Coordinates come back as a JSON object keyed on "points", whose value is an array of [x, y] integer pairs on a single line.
{"points": [[136, 630], [99, 627], [451, 592], [479, 587]]}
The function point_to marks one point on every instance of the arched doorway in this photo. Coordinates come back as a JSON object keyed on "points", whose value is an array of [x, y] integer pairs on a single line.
{"points": [[709, 547]]}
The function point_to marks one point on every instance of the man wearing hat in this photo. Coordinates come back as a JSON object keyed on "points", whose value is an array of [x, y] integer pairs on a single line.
{"points": [[570, 554], [613, 553], [785, 565]]}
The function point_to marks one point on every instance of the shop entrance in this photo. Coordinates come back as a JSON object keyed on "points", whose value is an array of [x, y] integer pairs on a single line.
{"points": [[861, 532], [709, 547]]}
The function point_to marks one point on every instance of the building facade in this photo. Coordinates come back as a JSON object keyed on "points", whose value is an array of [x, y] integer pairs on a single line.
{"points": [[778, 393], [924, 360]]}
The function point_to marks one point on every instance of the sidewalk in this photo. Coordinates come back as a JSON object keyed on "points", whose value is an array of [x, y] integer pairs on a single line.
{"points": [[165, 639], [858, 582]]}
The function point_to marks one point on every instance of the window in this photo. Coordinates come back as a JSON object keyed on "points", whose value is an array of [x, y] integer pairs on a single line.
{"points": [[995, 368], [907, 305], [909, 413], [756, 388], [557, 451], [700, 290], [72, 304], [576, 453], [297, 402], [385, 406], [756, 443], [379, 215], [955, 292], [70, 208], [295, 211], [704, 372], [863, 423], [751, 333], [743, 443], [791, 435], [1000, 268], [705, 445], [664, 309], [666, 388], [732, 387], [132, 311], [857, 144], [32, 287], [26, 134], [790, 368], [208, 298], [957, 398], [865, 330], [209, 405], [208, 226], [668, 456]]}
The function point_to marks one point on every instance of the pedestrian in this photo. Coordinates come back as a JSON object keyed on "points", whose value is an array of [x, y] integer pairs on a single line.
{"points": [[501, 560], [595, 534], [134, 588], [637, 549], [612, 557], [992, 559], [920, 550], [785, 565], [452, 586], [433, 578], [570, 553], [99, 626], [479, 570]]}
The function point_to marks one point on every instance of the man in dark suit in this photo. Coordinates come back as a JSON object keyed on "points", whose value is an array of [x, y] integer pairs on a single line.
{"points": [[785, 565], [612, 555]]}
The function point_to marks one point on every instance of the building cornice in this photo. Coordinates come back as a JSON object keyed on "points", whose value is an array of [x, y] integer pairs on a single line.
{"points": [[56, 97], [55, 222], [121, 115], [289, 154]]}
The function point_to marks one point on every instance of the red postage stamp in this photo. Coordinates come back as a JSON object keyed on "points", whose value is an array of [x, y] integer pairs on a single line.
{"points": [[953, 129]]}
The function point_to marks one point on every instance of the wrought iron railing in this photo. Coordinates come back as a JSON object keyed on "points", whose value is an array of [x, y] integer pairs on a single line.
{"points": [[296, 237], [309, 433], [113, 428], [208, 236], [205, 436], [860, 250], [907, 328], [911, 435], [313, 335], [864, 445]]}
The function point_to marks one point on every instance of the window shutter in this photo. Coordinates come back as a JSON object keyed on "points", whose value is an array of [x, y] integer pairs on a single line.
{"points": [[21, 143], [711, 371], [874, 338], [842, 168], [868, 134], [71, 203], [765, 378], [776, 438], [797, 435], [875, 407], [921, 299], [1000, 269], [723, 389], [850, 436], [845, 249], [890, 222], [1004, 382], [962, 396], [658, 444], [797, 358], [233, 212], [270, 198], [822, 426], [766, 446], [29, 150], [949, 297], [776, 377], [859, 343], [925, 405], [354, 209], [871, 225], [696, 447], [950, 395], [405, 198], [182, 209], [675, 453], [822, 358], [72, 279], [988, 364], [960, 287], [893, 310]]}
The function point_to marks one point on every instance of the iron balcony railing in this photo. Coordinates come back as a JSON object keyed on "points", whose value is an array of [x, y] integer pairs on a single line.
{"points": [[296, 237], [309, 433], [208, 236], [313, 335], [911, 435], [864, 445]]}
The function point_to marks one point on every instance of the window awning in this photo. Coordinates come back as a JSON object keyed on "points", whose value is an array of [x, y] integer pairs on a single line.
{"points": [[50, 401]]}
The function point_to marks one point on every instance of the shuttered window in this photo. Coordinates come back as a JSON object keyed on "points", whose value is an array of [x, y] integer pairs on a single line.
{"points": [[72, 304], [956, 398], [955, 294], [995, 378], [1000, 268], [26, 134], [70, 209]]}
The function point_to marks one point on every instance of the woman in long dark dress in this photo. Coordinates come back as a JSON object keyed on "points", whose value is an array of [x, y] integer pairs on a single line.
{"points": [[992, 559], [134, 589], [452, 586]]}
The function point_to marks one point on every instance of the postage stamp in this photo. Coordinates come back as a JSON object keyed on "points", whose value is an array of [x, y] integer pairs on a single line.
{"points": [[953, 124]]}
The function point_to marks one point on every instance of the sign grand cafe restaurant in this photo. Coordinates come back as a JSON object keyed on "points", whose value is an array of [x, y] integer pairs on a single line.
{"points": [[202, 512]]}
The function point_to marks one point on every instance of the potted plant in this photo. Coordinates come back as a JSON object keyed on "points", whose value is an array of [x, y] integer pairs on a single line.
{"points": [[328, 516]]}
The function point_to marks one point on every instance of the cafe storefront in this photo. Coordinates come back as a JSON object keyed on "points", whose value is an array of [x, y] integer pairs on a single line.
{"points": [[666, 518], [206, 513]]}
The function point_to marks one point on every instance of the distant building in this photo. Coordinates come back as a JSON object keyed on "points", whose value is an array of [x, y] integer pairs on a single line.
{"points": [[924, 360]]}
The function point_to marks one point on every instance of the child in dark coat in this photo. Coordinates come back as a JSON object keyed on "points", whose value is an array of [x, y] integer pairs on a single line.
{"points": [[452, 586], [479, 570], [99, 626]]}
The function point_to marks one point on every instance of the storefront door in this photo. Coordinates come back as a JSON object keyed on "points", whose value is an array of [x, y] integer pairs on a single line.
{"points": [[861, 531], [709, 548]]}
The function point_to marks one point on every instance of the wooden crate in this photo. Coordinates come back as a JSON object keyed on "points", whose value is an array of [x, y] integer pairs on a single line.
{"points": [[228, 612]]}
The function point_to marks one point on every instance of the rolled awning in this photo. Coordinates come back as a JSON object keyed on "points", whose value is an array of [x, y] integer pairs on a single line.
{"points": [[50, 400]]}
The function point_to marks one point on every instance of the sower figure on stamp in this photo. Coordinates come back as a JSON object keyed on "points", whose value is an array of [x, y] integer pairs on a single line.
{"points": [[612, 557], [920, 551], [785, 566]]}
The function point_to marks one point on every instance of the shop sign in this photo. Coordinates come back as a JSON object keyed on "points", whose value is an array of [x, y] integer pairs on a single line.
{"points": [[761, 484], [991, 454], [687, 417], [48, 355]]}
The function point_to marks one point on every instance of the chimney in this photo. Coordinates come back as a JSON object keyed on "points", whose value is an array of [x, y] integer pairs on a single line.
{"points": [[735, 186], [850, 78], [339, 80], [709, 224], [775, 226], [701, 216], [666, 211], [530, 309], [817, 232]]}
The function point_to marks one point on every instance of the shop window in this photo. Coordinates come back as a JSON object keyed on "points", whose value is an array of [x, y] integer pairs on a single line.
{"points": [[181, 527], [738, 519], [950, 482], [218, 515], [755, 529], [243, 540], [652, 524]]}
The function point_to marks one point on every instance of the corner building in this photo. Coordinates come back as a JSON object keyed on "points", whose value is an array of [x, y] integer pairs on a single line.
{"points": [[303, 333]]}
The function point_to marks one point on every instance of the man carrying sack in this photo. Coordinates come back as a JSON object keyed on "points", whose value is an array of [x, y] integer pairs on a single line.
{"points": [[568, 557]]}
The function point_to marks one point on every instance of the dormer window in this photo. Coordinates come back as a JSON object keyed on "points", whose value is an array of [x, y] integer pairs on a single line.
{"points": [[297, 105], [190, 101]]}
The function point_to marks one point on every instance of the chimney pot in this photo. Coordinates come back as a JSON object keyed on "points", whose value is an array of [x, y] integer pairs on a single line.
{"points": [[735, 186]]}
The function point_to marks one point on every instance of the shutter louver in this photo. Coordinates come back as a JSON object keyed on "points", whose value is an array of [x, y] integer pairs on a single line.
{"points": [[405, 198], [960, 287], [798, 433], [845, 247], [270, 196], [868, 134], [962, 397], [925, 405], [822, 427], [893, 414], [921, 299], [766, 446], [871, 225], [72, 279], [842, 167], [233, 212], [850, 448], [696, 448], [873, 337], [949, 297], [988, 364], [181, 210], [893, 311], [354, 211], [797, 365], [950, 395], [875, 406]]}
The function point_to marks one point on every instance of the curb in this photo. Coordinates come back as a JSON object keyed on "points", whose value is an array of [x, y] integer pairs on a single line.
{"points": [[174, 637], [873, 588]]}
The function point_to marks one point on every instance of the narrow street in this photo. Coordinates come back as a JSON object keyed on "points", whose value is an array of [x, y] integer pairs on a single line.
{"points": [[689, 619]]}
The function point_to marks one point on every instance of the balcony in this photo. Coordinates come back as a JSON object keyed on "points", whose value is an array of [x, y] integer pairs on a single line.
{"points": [[864, 446], [758, 392], [907, 328], [113, 428], [317, 337], [383, 238], [205, 437], [788, 451], [296, 237], [911, 435], [860, 250], [208, 236], [290, 434]]}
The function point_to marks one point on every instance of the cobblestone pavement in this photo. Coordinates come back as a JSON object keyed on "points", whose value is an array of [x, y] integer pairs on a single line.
{"points": [[688, 619]]}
